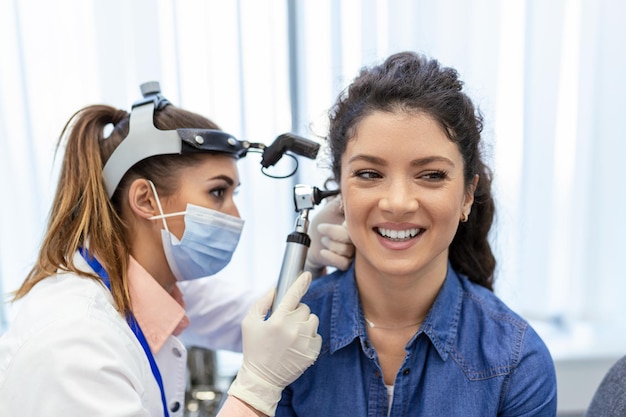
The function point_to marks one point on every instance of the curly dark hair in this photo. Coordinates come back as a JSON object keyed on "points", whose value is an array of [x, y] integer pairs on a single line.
{"points": [[411, 82]]}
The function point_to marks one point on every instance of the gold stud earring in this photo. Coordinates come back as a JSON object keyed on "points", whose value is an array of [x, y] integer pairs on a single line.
{"points": [[464, 217]]}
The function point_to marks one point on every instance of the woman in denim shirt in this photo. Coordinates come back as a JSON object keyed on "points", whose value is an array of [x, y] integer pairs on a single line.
{"points": [[413, 328]]}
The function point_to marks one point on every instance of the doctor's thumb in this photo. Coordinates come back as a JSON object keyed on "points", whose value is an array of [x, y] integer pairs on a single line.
{"points": [[263, 305], [294, 294]]}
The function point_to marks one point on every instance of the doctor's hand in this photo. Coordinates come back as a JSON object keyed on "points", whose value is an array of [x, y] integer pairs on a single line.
{"points": [[278, 350], [330, 242]]}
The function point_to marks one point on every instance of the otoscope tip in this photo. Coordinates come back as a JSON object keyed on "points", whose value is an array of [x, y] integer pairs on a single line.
{"points": [[319, 195]]}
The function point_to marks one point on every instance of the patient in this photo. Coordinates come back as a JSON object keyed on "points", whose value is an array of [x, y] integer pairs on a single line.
{"points": [[413, 328]]}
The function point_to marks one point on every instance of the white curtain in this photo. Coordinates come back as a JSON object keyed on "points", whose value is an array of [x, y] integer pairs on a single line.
{"points": [[548, 77], [226, 60]]}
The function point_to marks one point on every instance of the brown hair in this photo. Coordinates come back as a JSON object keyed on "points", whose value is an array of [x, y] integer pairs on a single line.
{"points": [[81, 210], [413, 83]]}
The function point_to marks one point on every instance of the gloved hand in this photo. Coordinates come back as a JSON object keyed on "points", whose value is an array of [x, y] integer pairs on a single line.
{"points": [[330, 242], [278, 350]]}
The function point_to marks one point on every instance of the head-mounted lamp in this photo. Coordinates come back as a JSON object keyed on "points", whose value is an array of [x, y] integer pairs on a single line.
{"points": [[145, 140]]}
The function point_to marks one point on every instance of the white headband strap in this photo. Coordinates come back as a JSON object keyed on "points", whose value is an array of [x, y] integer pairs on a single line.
{"points": [[143, 141]]}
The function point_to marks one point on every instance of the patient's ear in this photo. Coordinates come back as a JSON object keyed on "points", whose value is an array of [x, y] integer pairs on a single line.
{"points": [[469, 195]]}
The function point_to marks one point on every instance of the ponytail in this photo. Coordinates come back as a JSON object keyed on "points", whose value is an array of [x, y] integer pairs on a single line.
{"points": [[81, 213]]}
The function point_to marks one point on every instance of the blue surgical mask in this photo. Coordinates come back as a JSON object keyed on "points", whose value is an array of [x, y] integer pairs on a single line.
{"points": [[207, 245]]}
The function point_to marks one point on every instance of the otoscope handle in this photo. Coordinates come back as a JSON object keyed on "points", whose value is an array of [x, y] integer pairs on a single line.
{"points": [[298, 244]]}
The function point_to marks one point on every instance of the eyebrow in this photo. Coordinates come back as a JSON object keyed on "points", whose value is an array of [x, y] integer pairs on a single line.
{"points": [[416, 162], [225, 178]]}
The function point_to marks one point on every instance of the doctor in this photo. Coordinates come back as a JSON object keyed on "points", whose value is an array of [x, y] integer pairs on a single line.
{"points": [[135, 213]]}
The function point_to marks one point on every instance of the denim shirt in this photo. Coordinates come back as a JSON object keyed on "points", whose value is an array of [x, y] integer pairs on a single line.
{"points": [[472, 356]]}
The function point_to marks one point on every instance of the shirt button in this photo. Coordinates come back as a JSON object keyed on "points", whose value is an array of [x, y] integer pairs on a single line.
{"points": [[174, 406], [177, 352], [377, 374], [406, 372]]}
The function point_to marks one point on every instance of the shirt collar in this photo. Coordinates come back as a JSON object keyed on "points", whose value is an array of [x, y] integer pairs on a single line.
{"points": [[440, 325], [346, 319], [158, 313], [442, 321]]}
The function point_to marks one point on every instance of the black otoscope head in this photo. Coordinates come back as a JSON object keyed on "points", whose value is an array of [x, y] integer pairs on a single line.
{"points": [[289, 142], [319, 195]]}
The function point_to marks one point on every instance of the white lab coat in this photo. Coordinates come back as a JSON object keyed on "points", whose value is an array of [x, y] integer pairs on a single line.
{"points": [[67, 326]]}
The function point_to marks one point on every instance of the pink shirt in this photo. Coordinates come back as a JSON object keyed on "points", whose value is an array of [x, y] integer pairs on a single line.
{"points": [[159, 314]]}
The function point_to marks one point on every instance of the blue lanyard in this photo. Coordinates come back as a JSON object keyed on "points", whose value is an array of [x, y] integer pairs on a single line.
{"points": [[134, 326]]}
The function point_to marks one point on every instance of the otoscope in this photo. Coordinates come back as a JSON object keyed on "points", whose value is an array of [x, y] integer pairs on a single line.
{"points": [[298, 242], [305, 198]]}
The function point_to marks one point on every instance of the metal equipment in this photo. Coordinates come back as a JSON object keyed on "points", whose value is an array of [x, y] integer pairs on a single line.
{"points": [[298, 242]]}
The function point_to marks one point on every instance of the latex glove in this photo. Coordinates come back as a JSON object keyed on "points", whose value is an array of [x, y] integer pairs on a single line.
{"points": [[278, 350], [330, 242]]}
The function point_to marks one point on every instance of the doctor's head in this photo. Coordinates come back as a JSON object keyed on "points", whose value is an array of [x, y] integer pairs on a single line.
{"points": [[121, 209]]}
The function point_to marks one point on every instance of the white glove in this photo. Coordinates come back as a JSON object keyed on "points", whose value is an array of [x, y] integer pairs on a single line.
{"points": [[278, 350], [330, 242]]}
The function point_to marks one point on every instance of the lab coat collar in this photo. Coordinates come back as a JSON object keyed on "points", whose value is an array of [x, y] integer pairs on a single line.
{"points": [[158, 313]]}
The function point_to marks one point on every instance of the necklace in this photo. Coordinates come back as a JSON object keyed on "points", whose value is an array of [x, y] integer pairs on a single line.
{"points": [[374, 326]]}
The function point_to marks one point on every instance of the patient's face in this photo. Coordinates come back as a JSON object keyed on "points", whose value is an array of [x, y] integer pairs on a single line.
{"points": [[403, 191]]}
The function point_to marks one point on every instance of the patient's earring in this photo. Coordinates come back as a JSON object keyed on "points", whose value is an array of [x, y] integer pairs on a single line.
{"points": [[464, 217]]}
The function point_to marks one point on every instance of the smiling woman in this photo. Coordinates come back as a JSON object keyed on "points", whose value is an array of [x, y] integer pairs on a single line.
{"points": [[380, 181], [414, 324]]}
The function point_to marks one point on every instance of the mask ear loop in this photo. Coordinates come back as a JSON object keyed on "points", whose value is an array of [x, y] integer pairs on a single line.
{"points": [[162, 216]]}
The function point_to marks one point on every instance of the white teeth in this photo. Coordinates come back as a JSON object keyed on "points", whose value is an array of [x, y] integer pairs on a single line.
{"points": [[398, 234]]}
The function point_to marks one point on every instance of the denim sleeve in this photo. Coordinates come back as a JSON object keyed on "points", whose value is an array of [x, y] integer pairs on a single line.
{"points": [[531, 388], [610, 398]]}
